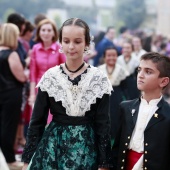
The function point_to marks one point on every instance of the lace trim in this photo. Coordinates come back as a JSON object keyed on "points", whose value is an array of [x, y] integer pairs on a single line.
{"points": [[119, 74], [30, 147], [105, 161], [130, 66], [77, 99]]}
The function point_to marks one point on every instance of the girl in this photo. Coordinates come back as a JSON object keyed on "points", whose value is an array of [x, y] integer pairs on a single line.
{"points": [[77, 95]]}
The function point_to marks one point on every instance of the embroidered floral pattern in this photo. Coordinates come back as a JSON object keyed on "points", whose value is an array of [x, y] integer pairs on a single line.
{"points": [[118, 74], [66, 147], [77, 99]]}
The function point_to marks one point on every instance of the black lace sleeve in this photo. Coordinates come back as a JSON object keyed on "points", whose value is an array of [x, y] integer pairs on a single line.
{"points": [[102, 127], [37, 125]]}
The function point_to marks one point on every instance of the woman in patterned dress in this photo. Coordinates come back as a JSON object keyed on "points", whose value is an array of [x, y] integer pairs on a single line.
{"points": [[77, 95]]}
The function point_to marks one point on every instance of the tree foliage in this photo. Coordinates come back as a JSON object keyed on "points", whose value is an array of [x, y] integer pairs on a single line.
{"points": [[29, 8], [131, 12]]}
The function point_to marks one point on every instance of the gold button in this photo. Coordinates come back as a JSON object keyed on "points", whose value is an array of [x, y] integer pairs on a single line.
{"points": [[126, 144], [128, 137], [146, 152], [122, 167], [146, 144], [146, 160], [124, 151], [145, 168], [123, 160]]}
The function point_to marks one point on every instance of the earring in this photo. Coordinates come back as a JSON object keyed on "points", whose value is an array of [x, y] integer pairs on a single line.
{"points": [[60, 49], [86, 50]]}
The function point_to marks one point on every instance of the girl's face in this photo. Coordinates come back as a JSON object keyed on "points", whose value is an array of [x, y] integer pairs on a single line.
{"points": [[73, 41], [46, 33], [110, 57]]}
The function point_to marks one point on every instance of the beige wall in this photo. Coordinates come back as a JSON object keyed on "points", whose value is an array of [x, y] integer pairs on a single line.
{"points": [[163, 17]]}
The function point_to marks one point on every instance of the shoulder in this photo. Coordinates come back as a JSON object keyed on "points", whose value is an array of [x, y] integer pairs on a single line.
{"points": [[129, 103], [97, 70], [102, 67], [143, 51], [13, 54], [53, 70], [100, 78], [37, 46], [120, 68], [120, 57], [49, 76], [164, 109], [55, 45], [166, 105]]}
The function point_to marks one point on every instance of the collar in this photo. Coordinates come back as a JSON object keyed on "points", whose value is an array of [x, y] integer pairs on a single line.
{"points": [[52, 47], [153, 102]]}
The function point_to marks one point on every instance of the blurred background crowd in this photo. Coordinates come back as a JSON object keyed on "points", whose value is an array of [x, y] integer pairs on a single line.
{"points": [[124, 29]]}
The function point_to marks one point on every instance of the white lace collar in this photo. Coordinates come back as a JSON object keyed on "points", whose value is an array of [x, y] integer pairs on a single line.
{"points": [[130, 66], [77, 99], [119, 74]]}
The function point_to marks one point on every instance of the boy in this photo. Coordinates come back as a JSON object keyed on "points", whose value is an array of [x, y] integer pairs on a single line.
{"points": [[143, 140]]}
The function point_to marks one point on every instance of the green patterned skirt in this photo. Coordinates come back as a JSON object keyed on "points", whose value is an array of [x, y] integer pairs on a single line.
{"points": [[66, 148]]}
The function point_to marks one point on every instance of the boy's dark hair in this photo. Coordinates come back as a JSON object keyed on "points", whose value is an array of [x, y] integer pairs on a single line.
{"points": [[77, 22], [16, 19], [162, 62]]}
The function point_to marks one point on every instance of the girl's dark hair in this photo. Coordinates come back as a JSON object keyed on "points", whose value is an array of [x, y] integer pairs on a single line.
{"points": [[162, 62], [109, 48], [77, 22]]}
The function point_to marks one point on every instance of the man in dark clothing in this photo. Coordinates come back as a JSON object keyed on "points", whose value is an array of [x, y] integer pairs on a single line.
{"points": [[107, 41]]}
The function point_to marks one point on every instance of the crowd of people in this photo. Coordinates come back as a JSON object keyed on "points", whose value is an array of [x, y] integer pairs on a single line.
{"points": [[68, 101]]}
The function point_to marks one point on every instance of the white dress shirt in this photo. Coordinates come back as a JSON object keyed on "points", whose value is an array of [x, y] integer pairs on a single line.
{"points": [[146, 111]]}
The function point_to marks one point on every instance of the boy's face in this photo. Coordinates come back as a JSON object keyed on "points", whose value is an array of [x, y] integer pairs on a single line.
{"points": [[148, 79]]}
